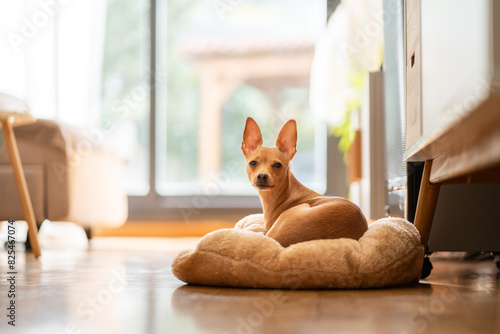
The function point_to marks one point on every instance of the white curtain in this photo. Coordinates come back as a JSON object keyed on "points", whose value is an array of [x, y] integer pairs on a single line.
{"points": [[351, 45], [51, 53]]}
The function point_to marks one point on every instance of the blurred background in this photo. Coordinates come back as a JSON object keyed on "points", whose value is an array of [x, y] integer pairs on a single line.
{"points": [[169, 84]]}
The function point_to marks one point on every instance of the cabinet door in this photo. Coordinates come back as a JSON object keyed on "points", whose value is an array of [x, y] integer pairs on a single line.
{"points": [[413, 61]]}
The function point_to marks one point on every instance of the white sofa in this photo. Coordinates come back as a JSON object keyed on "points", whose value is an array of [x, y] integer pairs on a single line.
{"points": [[69, 177]]}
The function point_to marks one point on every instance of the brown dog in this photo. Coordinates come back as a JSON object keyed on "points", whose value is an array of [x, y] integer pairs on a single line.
{"points": [[292, 212]]}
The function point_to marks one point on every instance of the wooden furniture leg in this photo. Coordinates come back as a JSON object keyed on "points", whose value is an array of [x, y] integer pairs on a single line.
{"points": [[426, 205], [24, 195]]}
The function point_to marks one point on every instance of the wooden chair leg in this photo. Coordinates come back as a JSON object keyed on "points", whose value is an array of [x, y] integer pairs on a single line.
{"points": [[426, 206], [22, 187]]}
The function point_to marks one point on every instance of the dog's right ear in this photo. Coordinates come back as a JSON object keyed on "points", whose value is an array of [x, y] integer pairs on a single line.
{"points": [[252, 137], [287, 139]]}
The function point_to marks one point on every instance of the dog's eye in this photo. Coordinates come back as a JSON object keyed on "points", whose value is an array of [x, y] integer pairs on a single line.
{"points": [[253, 163], [277, 165]]}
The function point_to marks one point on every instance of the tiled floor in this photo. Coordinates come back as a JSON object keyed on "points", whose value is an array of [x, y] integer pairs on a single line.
{"points": [[126, 286]]}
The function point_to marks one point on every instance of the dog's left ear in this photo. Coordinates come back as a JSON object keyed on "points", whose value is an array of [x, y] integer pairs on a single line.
{"points": [[287, 139]]}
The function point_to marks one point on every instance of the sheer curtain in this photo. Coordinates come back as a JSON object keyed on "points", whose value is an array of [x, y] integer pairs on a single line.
{"points": [[351, 46], [51, 53]]}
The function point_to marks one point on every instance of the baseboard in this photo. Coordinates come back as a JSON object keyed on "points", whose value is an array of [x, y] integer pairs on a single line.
{"points": [[162, 229]]}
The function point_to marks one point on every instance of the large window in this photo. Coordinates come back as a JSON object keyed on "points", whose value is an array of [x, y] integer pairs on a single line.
{"points": [[178, 83]]}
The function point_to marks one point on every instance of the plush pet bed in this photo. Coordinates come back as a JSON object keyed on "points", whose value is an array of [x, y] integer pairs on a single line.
{"points": [[388, 254]]}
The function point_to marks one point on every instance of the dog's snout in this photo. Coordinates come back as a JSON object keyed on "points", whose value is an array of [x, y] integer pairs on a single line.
{"points": [[263, 181], [262, 177]]}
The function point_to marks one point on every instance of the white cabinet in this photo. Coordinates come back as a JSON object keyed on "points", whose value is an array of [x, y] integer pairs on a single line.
{"points": [[453, 85]]}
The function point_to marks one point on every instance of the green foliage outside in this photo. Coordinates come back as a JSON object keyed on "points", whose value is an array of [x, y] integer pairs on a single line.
{"points": [[345, 131]]}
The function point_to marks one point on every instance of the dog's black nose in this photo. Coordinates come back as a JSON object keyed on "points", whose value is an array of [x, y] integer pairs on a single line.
{"points": [[262, 177]]}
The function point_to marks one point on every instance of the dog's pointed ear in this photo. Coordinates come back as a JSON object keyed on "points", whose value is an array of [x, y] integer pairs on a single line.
{"points": [[287, 139], [252, 137]]}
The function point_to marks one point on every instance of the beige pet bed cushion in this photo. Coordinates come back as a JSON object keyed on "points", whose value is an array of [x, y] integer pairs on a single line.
{"points": [[388, 254]]}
